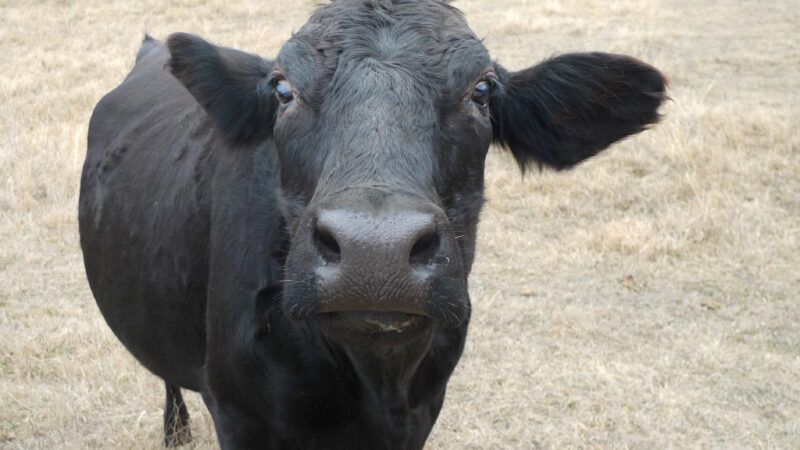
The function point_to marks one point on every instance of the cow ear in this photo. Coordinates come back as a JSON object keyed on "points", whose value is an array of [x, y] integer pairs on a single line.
{"points": [[231, 85], [571, 107]]}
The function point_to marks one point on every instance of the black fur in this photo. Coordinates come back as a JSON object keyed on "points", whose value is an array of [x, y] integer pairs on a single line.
{"points": [[202, 198], [571, 107]]}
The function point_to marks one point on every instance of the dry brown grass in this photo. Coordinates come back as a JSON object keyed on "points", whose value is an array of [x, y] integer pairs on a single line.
{"points": [[648, 299]]}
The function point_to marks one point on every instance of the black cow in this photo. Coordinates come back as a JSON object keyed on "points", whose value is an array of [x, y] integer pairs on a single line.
{"points": [[292, 237]]}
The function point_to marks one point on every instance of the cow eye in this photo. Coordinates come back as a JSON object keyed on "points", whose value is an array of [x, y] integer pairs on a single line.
{"points": [[284, 92], [482, 93]]}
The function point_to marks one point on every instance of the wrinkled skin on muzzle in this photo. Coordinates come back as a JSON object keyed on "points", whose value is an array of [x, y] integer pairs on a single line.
{"points": [[370, 250]]}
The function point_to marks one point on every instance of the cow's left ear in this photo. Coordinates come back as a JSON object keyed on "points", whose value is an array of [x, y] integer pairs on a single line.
{"points": [[231, 85], [571, 107]]}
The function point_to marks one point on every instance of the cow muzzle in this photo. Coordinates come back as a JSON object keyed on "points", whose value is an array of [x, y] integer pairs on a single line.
{"points": [[374, 266]]}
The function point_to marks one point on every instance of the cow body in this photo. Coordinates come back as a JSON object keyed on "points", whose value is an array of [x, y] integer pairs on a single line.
{"points": [[292, 238], [149, 238]]}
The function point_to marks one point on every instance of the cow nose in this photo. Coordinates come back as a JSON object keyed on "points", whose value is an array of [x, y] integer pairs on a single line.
{"points": [[376, 269], [394, 241], [370, 264], [379, 258]]}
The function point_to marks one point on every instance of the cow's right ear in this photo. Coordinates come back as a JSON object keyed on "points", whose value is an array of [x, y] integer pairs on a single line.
{"points": [[231, 85]]}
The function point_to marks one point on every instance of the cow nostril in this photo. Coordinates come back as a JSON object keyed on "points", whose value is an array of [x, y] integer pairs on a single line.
{"points": [[327, 246], [424, 249]]}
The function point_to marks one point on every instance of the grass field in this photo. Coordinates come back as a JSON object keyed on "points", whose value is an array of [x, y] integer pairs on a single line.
{"points": [[646, 299]]}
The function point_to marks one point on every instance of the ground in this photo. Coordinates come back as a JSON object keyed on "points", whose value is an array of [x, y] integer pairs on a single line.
{"points": [[646, 299]]}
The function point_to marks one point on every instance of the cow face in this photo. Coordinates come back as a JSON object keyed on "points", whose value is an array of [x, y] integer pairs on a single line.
{"points": [[381, 114], [381, 141]]}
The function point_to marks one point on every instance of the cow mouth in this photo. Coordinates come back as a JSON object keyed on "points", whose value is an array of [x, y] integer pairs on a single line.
{"points": [[378, 327]]}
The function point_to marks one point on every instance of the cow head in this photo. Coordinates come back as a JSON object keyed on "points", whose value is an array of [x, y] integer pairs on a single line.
{"points": [[382, 113]]}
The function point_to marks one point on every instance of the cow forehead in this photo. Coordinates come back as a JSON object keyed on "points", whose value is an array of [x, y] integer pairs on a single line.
{"points": [[427, 42]]}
